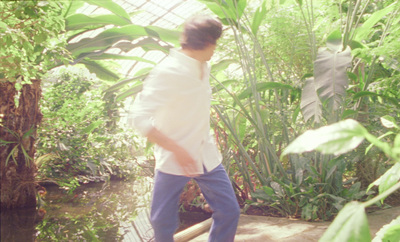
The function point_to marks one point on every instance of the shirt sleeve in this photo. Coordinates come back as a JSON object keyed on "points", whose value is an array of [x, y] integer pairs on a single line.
{"points": [[156, 93]]}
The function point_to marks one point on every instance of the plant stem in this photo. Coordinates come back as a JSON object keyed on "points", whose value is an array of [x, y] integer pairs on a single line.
{"points": [[382, 195]]}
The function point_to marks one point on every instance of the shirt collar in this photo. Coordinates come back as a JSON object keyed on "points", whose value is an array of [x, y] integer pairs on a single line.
{"points": [[176, 53], [192, 63]]}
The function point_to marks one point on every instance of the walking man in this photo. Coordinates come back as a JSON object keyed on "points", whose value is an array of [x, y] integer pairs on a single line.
{"points": [[173, 111]]}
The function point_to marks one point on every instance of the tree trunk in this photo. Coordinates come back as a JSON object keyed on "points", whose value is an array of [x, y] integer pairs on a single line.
{"points": [[18, 171]]}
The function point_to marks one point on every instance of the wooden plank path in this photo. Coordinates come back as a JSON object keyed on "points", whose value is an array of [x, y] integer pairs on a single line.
{"points": [[139, 230], [256, 228]]}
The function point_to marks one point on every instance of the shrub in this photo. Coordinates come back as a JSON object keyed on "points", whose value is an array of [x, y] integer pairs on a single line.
{"points": [[79, 137]]}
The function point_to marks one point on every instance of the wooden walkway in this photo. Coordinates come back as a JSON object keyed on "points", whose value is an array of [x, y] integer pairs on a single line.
{"points": [[140, 229], [257, 228]]}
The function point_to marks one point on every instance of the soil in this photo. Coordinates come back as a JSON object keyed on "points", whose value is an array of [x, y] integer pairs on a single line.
{"points": [[262, 211]]}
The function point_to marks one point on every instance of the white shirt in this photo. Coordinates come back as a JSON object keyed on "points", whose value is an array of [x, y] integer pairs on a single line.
{"points": [[176, 101]]}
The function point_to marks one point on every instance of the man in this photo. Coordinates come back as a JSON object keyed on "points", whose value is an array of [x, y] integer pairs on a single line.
{"points": [[173, 111]]}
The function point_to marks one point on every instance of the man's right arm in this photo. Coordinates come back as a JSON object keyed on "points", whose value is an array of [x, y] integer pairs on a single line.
{"points": [[183, 158]]}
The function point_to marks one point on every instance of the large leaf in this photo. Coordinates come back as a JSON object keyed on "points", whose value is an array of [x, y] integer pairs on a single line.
{"points": [[102, 55], [100, 70], [124, 82], [72, 34], [107, 56], [330, 80], [215, 7], [388, 179], [389, 122], [361, 94], [132, 91], [226, 9], [310, 104], [167, 35], [330, 73], [389, 232], [107, 38], [135, 85], [335, 139], [334, 40], [351, 225], [146, 44], [71, 7], [79, 21], [112, 36], [222, 65], [112, 7], [223, 85], [363, 31], [258, 17]]}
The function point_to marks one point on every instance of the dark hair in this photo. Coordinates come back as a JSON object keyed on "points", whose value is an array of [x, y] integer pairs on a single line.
{"points": [[199, 31]]}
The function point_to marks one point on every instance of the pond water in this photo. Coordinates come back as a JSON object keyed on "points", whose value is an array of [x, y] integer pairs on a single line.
{"points": [[111, 211]]}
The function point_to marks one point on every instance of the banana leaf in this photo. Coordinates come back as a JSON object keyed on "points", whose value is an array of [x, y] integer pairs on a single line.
{"points": [[112, 7], [80, 21]]}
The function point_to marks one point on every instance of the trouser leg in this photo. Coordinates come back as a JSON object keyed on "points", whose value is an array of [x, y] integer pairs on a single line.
{"points": [[217, 190], [164, 215]]}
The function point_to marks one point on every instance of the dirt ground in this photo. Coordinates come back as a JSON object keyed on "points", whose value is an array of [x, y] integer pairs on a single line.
{"points": [[263, 228]]}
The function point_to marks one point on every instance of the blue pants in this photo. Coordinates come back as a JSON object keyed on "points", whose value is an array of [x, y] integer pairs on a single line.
{"points": [[218, 192]]}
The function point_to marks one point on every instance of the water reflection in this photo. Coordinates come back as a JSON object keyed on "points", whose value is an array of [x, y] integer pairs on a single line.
{"points": [[93, 212], [19, 225]]}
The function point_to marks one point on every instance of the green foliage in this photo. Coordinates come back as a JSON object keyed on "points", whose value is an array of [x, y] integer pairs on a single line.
{"points": [[389, 232], [227, 11], [79, 136], [119, 34], [260, 116], [30, 39], [259, 98], [19, 143], [310, 194], [336, 139], [258, 17], [328, 87], [351, 223]]}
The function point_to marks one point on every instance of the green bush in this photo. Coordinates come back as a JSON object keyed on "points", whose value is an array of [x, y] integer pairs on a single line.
{"points": [[79, 137], [351, 223]]}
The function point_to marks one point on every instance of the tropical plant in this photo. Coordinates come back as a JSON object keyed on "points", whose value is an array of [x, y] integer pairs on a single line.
{"points": [[327, 89], [260, 122], [117, 33], [374, 71], [33, 40], [78, 138], [258, 109], [351, 223]]}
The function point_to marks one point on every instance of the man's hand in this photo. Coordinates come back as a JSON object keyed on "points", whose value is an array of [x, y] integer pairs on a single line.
{"points": [[183, 158], [186, 162]]}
